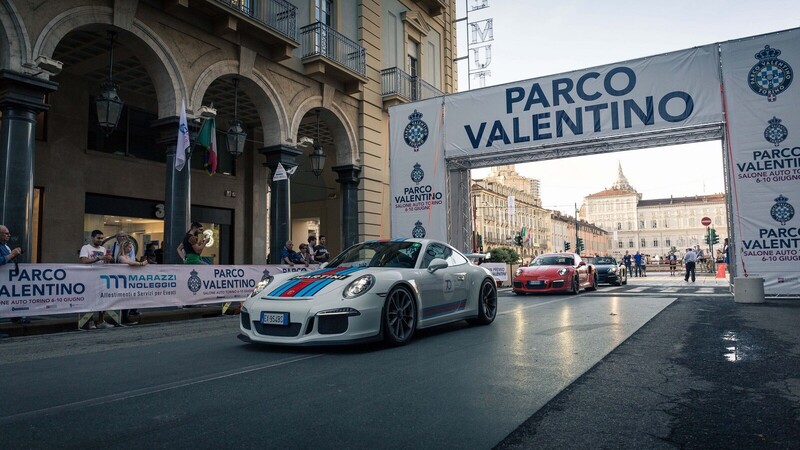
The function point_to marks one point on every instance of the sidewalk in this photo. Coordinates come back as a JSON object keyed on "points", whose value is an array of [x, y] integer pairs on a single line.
{"points": [[69, 322]]}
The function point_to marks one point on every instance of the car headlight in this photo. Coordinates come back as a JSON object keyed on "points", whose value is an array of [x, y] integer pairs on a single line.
{"points": [[518, 272], [563, 271], [261, 286], [359, 286], [612, 270]]}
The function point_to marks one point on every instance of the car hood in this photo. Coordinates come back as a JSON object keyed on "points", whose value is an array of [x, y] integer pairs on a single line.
{"points": [[305, 285], [542, 270], [604, 267]]}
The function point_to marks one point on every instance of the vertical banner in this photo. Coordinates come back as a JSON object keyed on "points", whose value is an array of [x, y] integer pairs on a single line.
{"points": [[418, 171], [763, 129]]}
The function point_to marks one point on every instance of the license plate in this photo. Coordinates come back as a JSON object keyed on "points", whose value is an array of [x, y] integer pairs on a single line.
{"points": [[535, 283], [270, 318]]}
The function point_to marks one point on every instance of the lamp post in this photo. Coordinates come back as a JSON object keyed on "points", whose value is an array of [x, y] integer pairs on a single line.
{"points": [[317, 157], [236, 134], [109, 105]]}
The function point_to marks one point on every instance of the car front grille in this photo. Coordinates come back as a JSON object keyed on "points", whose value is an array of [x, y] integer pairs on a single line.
{"points": [[293, 329]]}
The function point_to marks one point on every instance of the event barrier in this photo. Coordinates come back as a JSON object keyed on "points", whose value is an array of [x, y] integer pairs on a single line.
{"points": [[44, 289]]}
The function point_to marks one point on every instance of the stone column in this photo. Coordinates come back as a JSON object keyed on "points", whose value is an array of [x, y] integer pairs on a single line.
{"points": [[348, 178], [21, 98], [177, 190], [280, 213]]}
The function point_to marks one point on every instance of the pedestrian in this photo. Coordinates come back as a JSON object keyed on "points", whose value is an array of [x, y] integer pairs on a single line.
{"points": [[673, 264], [321, 253], [193, 244], [149, 254], [637, 264], [289, 256], [123, 257], [158, 252], [645, 259], [116, 247], [689, 261], [305, 253], [95, 253], [7, 255], [626, 260]]}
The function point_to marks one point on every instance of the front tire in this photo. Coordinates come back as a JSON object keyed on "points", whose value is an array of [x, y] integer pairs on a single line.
{"points": [[399, 317], [593, 284], [487, 304], [576, 286]]}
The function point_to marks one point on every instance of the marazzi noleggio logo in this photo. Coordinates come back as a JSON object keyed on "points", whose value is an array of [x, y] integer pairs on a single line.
{"points": [[770, 76]]}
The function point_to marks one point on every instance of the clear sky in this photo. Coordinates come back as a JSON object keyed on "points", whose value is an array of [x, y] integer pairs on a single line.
{"points": [[535, 38]]}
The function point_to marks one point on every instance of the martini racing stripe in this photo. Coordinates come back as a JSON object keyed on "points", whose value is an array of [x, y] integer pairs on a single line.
{"points": [[447, 308], [309, 284]]}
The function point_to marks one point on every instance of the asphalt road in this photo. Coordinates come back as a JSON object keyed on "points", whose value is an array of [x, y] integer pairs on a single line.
{"points": [[193, 384]]}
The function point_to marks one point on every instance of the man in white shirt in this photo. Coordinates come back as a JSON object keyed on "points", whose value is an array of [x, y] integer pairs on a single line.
{"points": [[95, 253], [689, 260]]}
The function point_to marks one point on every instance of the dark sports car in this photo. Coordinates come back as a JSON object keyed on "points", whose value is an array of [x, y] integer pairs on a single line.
{"points": [[609, 270]]}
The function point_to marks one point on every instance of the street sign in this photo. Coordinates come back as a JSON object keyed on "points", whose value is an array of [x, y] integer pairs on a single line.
{"points": [[706, 221]]}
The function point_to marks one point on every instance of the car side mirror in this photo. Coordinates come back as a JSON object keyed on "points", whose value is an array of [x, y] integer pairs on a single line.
{"points": [[582, 263], [436, 264]]}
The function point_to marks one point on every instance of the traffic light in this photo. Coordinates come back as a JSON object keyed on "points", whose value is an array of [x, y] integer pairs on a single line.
{"points": [[706, 239], [566, 245], [518, 240], [714, 237], [480, 240], [580, 245]]}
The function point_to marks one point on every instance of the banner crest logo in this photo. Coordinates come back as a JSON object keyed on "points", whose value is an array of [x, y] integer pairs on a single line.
{"points": [[416, 132], [418, 231], [782, 211], [417, 174], [193, 283], [770, 76], [775, 132]]}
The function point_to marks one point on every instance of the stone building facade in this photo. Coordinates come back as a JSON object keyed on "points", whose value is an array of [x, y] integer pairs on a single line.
{"points": [[298, 74]]}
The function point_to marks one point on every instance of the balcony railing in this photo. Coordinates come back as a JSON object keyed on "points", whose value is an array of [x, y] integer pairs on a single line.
{"points": [[318, 39], [278, 15], [395, 82]]}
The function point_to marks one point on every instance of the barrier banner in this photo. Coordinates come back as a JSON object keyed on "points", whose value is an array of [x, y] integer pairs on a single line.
{"points": [[764, 150], [43, 289], [499, 270], [418, 171]]}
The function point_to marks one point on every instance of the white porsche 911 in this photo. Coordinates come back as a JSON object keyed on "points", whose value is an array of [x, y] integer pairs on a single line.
{"points": [[374, 290]]}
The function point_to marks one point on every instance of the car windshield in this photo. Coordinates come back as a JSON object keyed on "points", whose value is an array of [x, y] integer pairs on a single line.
{"points": [[379, 254], [604, 260], [553, 260]]}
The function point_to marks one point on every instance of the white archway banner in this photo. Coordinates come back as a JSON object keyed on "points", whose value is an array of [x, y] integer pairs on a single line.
{"points": [[671, 90], [418, 170], [764, 151]]}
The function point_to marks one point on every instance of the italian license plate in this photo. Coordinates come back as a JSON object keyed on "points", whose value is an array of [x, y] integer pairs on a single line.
{"points": [[536, 283], [271, 318]]}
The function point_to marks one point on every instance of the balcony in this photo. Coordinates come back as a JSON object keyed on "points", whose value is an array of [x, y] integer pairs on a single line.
{"points": [[272, 22], [329, 54], [399, 87], [435, 7]]}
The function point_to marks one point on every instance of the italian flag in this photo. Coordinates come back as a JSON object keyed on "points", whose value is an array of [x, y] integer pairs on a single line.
{"points": [[208, 138]]}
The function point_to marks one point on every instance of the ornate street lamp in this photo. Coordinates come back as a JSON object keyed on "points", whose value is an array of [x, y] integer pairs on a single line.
{"points": [[317, 157], [109, 105], [236, 134]]}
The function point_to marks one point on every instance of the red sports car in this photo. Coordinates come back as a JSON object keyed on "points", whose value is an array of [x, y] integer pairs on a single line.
{"points": [[555, 272]]}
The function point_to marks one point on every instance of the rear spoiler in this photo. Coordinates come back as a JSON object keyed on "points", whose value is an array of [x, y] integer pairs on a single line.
{"points": [[478, 255]]}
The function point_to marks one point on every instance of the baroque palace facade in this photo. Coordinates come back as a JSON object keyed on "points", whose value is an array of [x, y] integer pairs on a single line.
{"points": [[309, 82], [498, 220], [654, 227]]}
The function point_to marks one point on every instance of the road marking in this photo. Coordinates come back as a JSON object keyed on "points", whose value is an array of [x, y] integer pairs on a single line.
{"points": [[151, 390], [536, 305], [637, 289], [669, 290]]}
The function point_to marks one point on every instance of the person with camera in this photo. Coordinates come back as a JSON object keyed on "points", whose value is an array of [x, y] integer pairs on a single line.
{"points": [[7, 255], [193, 244]]}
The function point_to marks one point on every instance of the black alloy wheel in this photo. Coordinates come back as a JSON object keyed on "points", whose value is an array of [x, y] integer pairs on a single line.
{"points": [[487, 304], [399, 317]]}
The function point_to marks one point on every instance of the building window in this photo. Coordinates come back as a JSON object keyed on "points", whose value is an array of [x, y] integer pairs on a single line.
{"points": [[644, 243], [630, 244], [619, 225], [655, 242], [641, 224], [668, 243], [619, 244], [654, 224]]}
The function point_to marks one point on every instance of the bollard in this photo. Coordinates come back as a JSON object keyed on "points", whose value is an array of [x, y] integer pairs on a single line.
{"points": [[748, 290]]}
